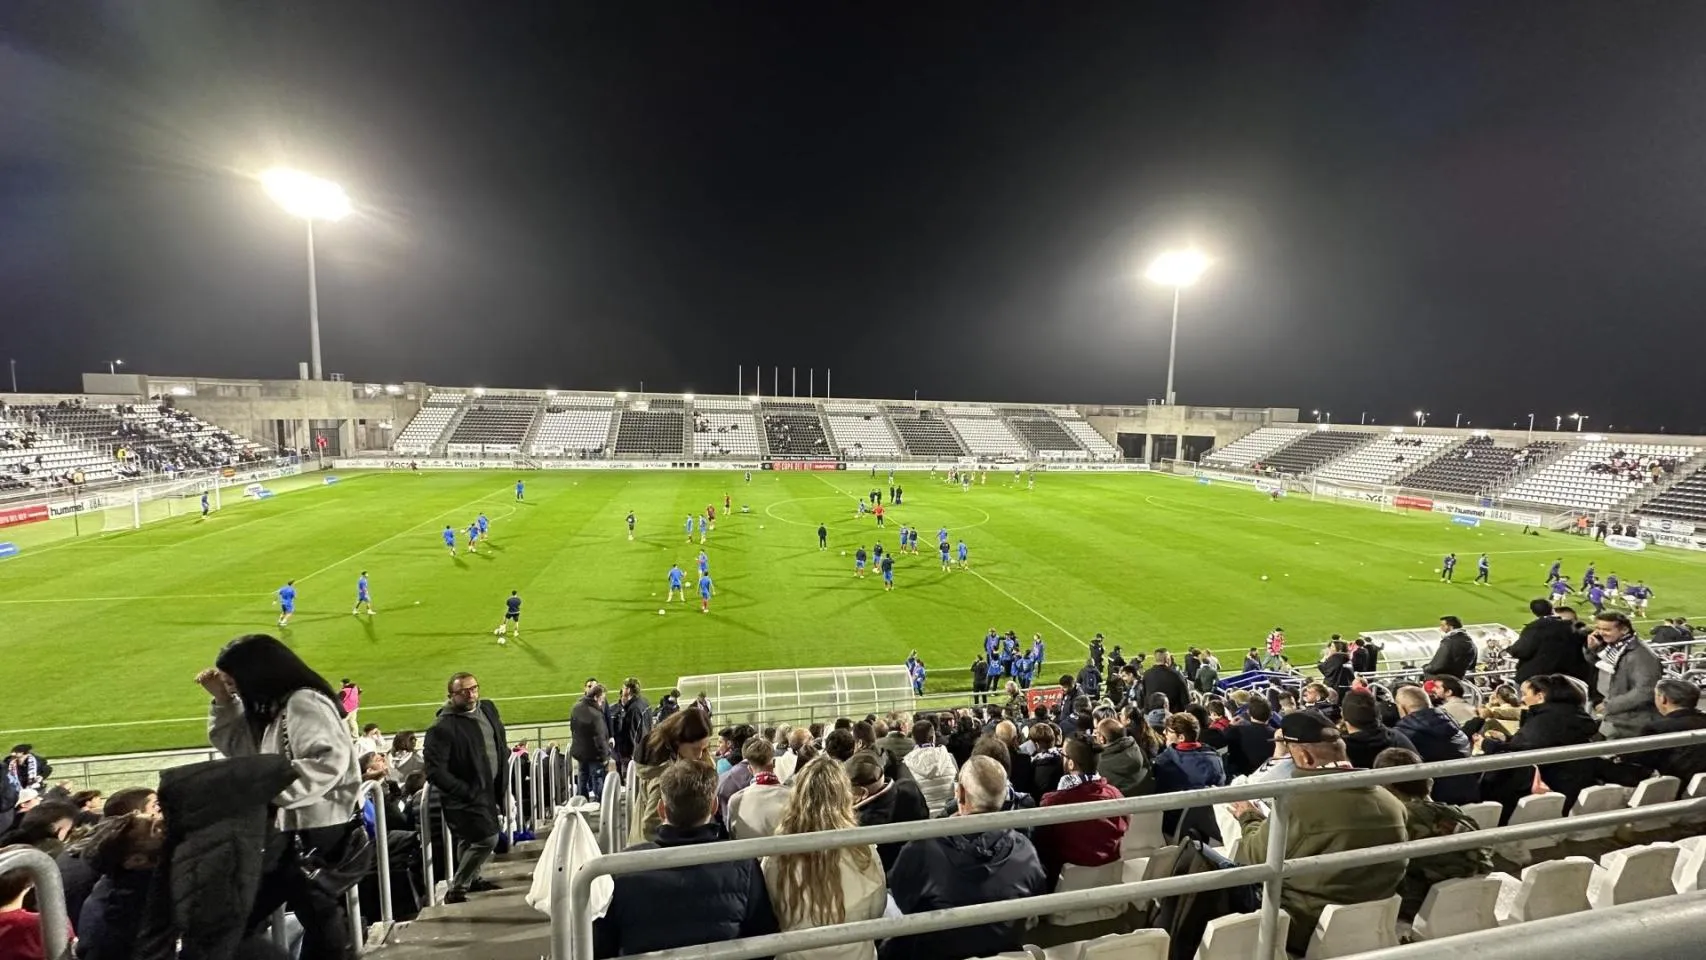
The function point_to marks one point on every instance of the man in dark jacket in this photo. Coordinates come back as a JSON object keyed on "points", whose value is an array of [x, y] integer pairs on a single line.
{"points": [[686, 906], [1164, 678], [1549, 645], [1250, 739], [633, 723], [1365, 736], [965, 869], [1455, 656], [589, 742], [1436, 737], [465, 758], [1090, 680], [1678, 703], [877, 799]]}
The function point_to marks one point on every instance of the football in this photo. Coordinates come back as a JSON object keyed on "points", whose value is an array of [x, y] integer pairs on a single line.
{"points": [[1264, 576], [502, 641], [660, 612]]}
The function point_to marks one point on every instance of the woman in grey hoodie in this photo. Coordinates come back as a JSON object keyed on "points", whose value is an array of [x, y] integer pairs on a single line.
{"points": [[266, 700]]}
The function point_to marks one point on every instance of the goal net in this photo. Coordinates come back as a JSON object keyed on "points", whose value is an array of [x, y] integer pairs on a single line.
{"points": [[151, 503]]}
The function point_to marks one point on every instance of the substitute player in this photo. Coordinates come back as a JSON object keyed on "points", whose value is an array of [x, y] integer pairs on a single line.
{"points": [[512, 615], [286, 602], [705, 591], [676, 579], [362, 598], [822, 537], [630, 524]]}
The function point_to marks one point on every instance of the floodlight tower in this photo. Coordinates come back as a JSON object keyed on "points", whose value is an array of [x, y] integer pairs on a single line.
{"points": [[1177, 269], [310, 198]]}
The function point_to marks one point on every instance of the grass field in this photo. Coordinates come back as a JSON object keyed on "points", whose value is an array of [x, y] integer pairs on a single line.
{"points": [[103, 633]]}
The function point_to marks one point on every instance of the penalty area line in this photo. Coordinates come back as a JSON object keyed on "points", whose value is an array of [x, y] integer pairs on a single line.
{"points": [[1034, 611]]}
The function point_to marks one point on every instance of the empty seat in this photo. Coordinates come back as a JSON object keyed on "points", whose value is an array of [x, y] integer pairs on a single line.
{"points": [[1234, 937], [1137, 945], [1598, 799], [1253, 447], [1654, 790], [1143, 836], [1464, 905], [988, 436], [1075, 878], [1387, 458], [925, 435], [1690, 872], [795, 430], [1632, 874], [1550, 889], [1044, 434], [1158, 864], [1094, 443], [1348, 929], [1485, 814], [863, 436], [1479, 466], [1315, 449]]}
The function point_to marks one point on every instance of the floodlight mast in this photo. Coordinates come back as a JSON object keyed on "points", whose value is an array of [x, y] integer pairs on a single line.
{"points": [[1177, 269], [309, 198]]}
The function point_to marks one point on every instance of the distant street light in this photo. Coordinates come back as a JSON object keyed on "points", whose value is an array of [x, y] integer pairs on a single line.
{"points": [[1558, 423], [310, 198], [113, 365], [1317, 414], [1421, 418], [1177, 269], [1579, 421]]}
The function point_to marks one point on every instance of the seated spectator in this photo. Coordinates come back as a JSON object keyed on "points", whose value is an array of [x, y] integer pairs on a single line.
{"points": [[737, 776], [1500, 714], [1250, 740], [1187, 764], [20, 929], [1555, 716], [44, 826], [797, 741], [1436, 738], [1365, 736], [126, 852], [1349, 819], [995, 750], [1046, 765], [894, 745], [880, 800], [931, 766], [669, 909], [1677, 703], [1126, 765], [404, 758], [839, 745], [827, 886], [1082, 843], [1018, 766], [755, 810], [965, 869], [1426, 817], [1321, 699], [1449, 692]]}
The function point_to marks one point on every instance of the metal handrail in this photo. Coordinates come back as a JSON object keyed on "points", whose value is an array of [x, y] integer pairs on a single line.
{"points": [[1646, 928], [571, 925], [1510, 671], [426, 845], [50, 895], [375, 790]]}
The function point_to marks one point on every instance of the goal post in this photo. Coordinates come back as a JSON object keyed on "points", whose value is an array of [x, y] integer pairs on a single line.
{"points": [[151, 503]]}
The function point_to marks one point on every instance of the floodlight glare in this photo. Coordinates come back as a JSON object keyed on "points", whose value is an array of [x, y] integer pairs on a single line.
{"points": [[1177, 268], [306, 196]]}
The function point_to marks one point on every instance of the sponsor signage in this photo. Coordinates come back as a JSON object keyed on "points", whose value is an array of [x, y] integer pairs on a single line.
{"points": [[1111, 467], [1659, 525], [818, 465], [17, 516], [1348, 493], [1412, 503], [1620, 542], [1205, 481], [1489, 513], [8, 550], [253, 490], [1043, 697], [329, 480], [1466, 521]]}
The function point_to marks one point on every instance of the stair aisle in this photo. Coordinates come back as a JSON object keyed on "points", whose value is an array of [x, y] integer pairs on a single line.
{"points": [[491, 926]]}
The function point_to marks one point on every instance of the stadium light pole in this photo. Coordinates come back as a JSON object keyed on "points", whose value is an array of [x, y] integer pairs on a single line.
{"points": [[1421, 418], [1579, 421], [1531, 426], [113, 365], [309, 198], [1177, 269]]}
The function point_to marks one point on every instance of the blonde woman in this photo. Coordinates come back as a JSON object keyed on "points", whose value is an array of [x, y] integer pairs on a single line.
{"points": [[823, 887]]}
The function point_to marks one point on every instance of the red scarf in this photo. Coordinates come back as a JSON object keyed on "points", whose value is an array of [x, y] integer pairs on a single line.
{"points": [[1187, 745], [765, 780]]}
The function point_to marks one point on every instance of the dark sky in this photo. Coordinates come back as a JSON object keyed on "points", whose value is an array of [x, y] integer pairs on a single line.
{"points": [[1489, 208]]}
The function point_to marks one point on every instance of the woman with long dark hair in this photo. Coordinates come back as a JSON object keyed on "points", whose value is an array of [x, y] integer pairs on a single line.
{"points": [[266, 700], [684, 735]]}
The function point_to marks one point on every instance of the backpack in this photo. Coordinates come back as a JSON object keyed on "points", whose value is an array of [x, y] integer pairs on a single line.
{"points": [[1186, 916]]}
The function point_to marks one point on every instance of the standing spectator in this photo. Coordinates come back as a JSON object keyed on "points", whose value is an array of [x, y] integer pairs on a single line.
{"points": [[756, 808], [1340, 820], [799, 742], [1555, 716], [267, 701], [1252, 661], [589, 742], [667, 706], [1456, 654], [1083, 843], [894, 745], [1364, 735], [1629, 671], [633, 724], [1426, 817], [931, 765], [1046, 764], [669, 909], [1365, 655], [1124, 762], [29, 768], [979, 680], [826, 886], [404, 759], [683, 735], [702, 704], [1250, 740], [965, 869], [1090, 679], [1187, 764], [1335, 666], [1436, 738], [1208, 673], [465, 754], [349, 697], [1165, 679], [879, 800], [1677, 702], [1547, 645]]}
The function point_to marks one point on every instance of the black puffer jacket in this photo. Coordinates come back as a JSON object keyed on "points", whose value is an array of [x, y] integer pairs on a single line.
{"points": [[1362, 746], [959, 871], [667, 909], [218, 820], [1543, 725], [1550, 645], [1437, 737], [109, 918], [466, 786], [589, 739], [1167, 680]]}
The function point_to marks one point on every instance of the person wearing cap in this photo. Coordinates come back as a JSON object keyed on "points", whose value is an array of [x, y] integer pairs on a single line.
{"points": [[1351, 819]]}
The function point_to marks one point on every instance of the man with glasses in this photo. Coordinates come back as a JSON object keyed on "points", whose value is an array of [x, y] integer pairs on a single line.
{"points": [[465, 752]]}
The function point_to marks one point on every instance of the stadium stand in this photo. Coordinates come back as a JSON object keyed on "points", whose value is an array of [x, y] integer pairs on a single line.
{"points": [[1314, 449], [724, 427], [652, 428], [1388, 457], [1045, 434], [1685, 500], [863, 436], [924, 434], [1094, 443], [498, 422], [795, 430], [1599, 476], [31, 457], [157, 435], [577, 426], [421, 434], [1253, 447], [985, 434], [1479, 466]]}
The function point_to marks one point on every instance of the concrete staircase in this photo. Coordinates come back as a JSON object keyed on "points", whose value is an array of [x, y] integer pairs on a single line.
{"points": [[498, 925], [440, 445]]}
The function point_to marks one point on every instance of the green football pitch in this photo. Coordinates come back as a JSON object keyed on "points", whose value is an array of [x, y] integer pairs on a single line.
{"points": [[102, 633]]}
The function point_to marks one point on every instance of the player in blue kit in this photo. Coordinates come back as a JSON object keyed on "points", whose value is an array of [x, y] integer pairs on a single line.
{"points": [[286, 602], [362, 598], [1557, 568], [204, 503], [676, 577], [1596, 596], [1024, 670], [520, 490], [1447, 567], [991, 641], [914, 539], [1037, 649], [877, 554], [630, 524], [859, 562], [1589, 577], [1611, 583], [704, 564], [1560, 590], [1483, 571], [512, 615], [918, 678], [995, 672], [705, 593], [942, 535], [946, 562], [965, 555], [483, 524], [688, 526], [1638, 596], [887, 564], [701, 524], [450, 539], [473, 536]]}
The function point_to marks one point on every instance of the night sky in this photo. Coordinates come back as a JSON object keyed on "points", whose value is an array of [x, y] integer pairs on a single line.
{"points": [[1492, 209]]}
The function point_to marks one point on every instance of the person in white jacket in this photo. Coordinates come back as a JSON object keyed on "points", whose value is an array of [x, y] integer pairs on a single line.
{"points": [[789, 760], [932, 766], [824, 886], [755, 809]]}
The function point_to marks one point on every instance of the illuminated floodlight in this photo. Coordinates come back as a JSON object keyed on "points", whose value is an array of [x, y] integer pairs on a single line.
{"points": [[688, 397], [621, 394], [1177, 268], [306, 196], [393, 389], [550, 393], [479, 391]]}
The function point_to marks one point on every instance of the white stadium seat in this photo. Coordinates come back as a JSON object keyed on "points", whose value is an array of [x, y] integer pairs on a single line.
{"points": [[1550, 889], [1348, 929], [1463, 905], [1234, 937], [1389, 457], [1690, 872], [1633, 873], [1598, 799], [1485, 814], [1253, 447]]}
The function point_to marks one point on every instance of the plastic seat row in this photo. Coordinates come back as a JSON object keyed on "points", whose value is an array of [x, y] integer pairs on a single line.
{"points": [[865, 436], [1253, 447], [988, 436], [1390, 456]]}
